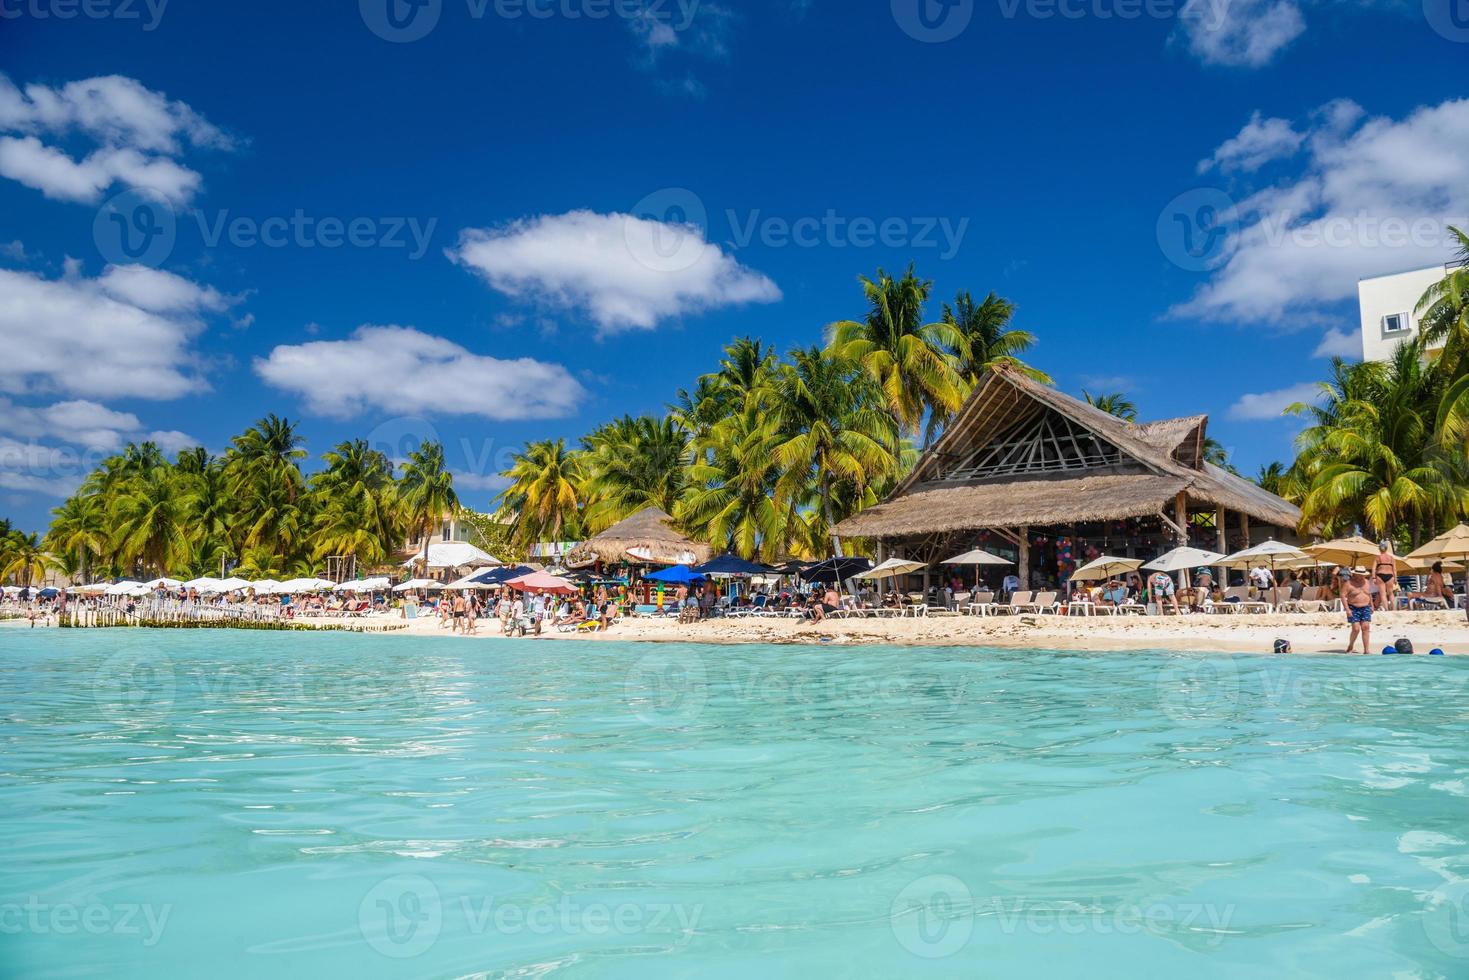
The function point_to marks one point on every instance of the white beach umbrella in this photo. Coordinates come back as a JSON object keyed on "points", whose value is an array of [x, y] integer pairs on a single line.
{"points": [[10, 589], [95, 588], [265, 586], [1271, 554], [418, 583], [1102, 568], [167, 583], [121, 588], [1182, 559], [976, 557], [203, 584], [892, 568], [232, 585], [363, 585], [296, 586]]}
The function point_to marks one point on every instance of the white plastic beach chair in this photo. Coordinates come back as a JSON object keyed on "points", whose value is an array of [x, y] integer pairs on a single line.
{"points": [[1018, 603], [983, 604]]}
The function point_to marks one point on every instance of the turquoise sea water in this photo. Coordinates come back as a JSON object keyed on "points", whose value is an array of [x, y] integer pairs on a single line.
{"points": [[255, 804]]}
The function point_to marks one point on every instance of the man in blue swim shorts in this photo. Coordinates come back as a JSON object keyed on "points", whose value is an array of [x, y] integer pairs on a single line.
{"points": [[1358, 600]]}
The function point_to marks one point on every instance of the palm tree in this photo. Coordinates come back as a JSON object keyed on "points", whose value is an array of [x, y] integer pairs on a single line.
{"points": [[428, 490], [832, 431], [731, 502], [988, 336], [1374, 463], [542, 501], [150, 523], [79, 527], [26, 559], [1114, 404], [911, 361], [633, 463]]}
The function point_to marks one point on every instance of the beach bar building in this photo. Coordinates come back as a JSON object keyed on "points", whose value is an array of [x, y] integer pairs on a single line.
{"points": [[1026, 470]]}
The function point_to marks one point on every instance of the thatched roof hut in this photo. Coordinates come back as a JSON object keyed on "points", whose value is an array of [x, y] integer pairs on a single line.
{"points": [[1023, 455], [647, 536]]}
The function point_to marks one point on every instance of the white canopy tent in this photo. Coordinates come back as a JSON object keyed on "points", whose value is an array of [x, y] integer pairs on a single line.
{"points": [[454, 554]]}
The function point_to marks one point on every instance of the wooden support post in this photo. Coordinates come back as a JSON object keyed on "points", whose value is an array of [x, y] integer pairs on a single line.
{"points": [[1219, 517], [1180, 512], [1024, 558]]}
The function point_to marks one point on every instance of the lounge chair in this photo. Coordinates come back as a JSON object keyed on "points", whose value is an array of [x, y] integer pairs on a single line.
{"points": [[983, 604], [1244, 603], [1043, 602], [1019, 601]]}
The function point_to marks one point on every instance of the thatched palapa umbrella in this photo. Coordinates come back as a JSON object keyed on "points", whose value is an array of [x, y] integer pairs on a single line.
{"points": [[647, 537]]}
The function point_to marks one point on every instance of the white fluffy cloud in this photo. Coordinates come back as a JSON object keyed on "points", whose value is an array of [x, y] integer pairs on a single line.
{"points": [[1238, 33], [127, 333], [405, 371], [137, 134], [625, 272], [1373, 195], [1267, 405], [1259, 142], [1340, 343], [85, 423]]}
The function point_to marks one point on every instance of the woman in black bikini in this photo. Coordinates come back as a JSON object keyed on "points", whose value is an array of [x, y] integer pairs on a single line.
{"points": [[1387, 572]]}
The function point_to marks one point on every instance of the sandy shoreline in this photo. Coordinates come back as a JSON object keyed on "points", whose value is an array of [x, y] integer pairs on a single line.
{"points": [[1323, 633]]}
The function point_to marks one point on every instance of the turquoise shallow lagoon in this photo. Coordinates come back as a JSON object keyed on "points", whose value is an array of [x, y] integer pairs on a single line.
{"points": [[250, 804]]}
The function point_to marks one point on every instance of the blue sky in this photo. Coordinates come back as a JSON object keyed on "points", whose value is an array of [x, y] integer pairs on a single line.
{"points": [[513, 227]]}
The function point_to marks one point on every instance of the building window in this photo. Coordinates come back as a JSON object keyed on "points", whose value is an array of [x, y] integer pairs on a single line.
{"points": [[1395, 323]]}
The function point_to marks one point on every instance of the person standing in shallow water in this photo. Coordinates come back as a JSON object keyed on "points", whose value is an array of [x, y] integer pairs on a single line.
{"points": [[1358, 600]]}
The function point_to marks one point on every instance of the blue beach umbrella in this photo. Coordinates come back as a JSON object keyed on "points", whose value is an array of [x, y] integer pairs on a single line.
{"points": [[678, 574], [501, 575]]}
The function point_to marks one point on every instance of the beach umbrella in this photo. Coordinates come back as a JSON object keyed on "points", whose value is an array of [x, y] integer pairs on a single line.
{"points": [[418, 583], [832, 570], [977, 558], [731, 566], [48, 593], [201, 584], [362, 585], [678, 574], [499, 576], [121, 588], [1450, 545], [891, 568], [1271, 554], [231, 585], [1358, 550], [1103, 568], [167, 583], [296, 586], [791, 568], [265, 586], [543, 582], [1182, 559]]}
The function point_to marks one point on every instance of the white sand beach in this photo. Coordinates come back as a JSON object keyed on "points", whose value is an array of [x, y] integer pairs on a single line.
{"points": [[1313, 633]]}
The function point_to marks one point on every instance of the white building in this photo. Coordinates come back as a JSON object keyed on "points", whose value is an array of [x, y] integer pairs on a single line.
{"points": [[1386, 304]]}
